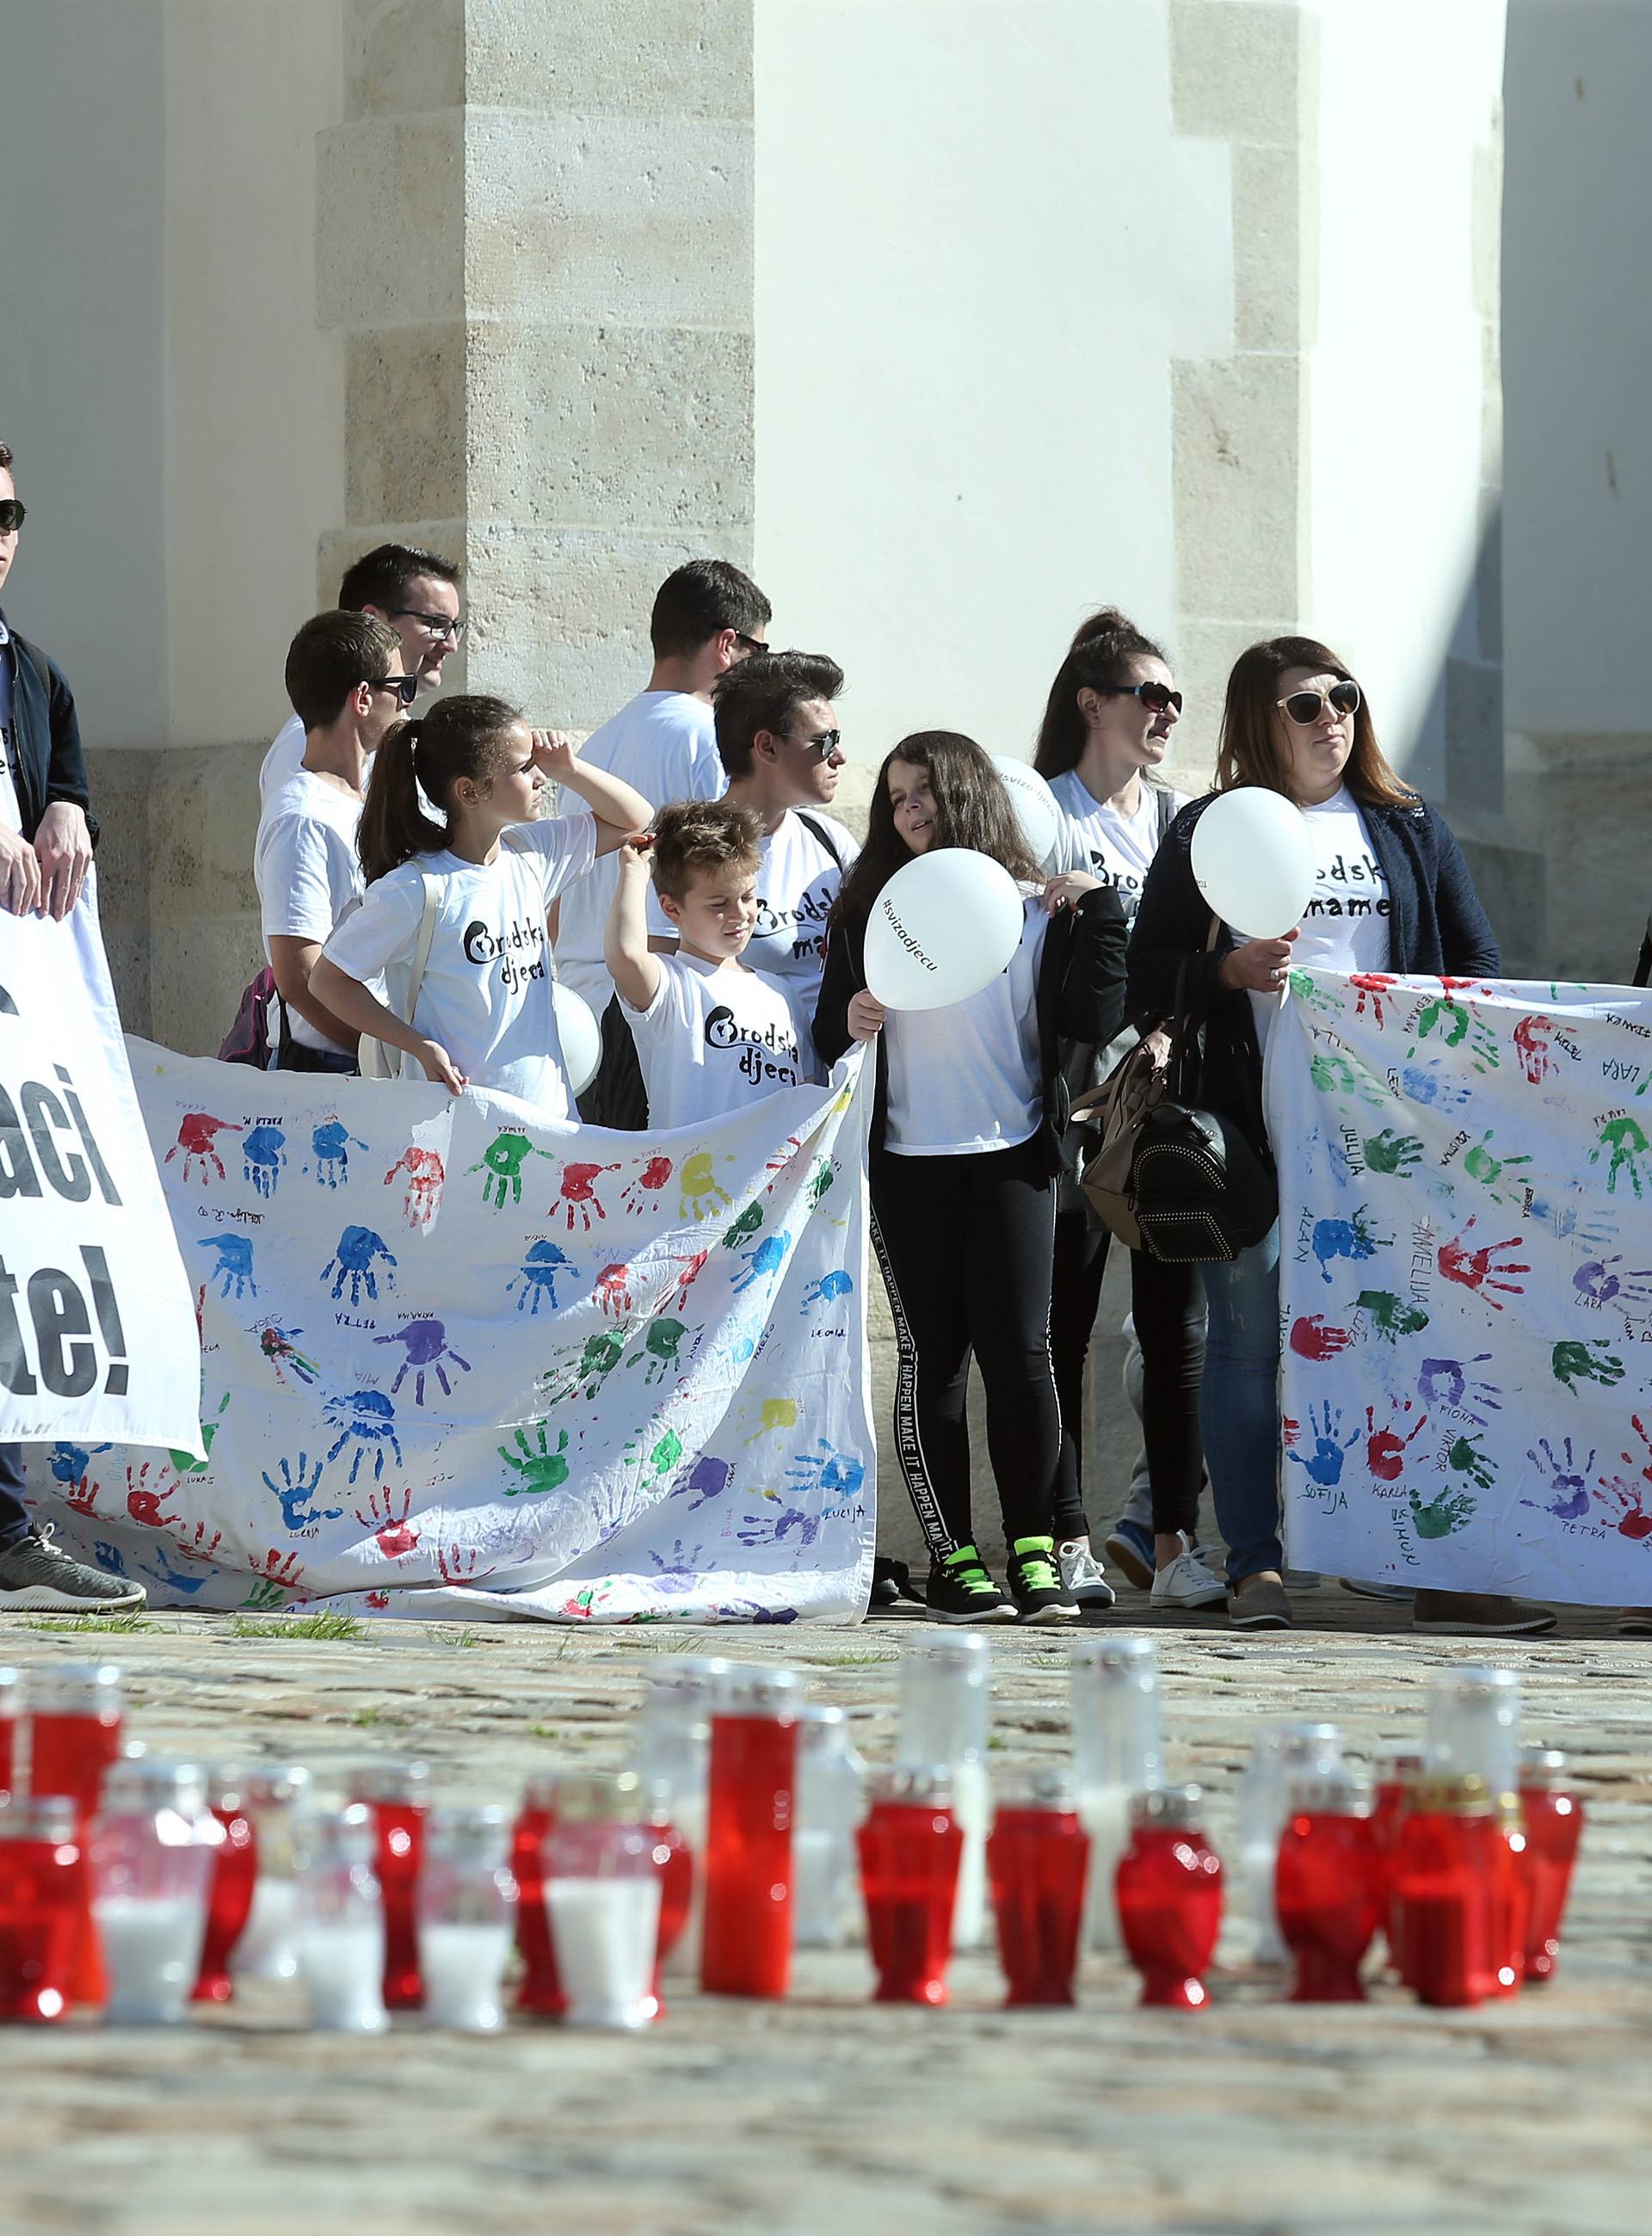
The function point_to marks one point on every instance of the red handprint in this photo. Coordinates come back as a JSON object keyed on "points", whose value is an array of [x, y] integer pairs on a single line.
{"points": [[457, 1565], [379, 1602], [612, 1290], [579, 1195], [394, 1537], [1633, 1459], [199, 1546], [692, 1266], [285, 1571], [1633, 1520], [196, 1138], [82, 1497], [1374, 984], [652, 1178], [1290, 1431], [425, 1174], [1474, 1269], [1531, 1039], [1313, 1338], [142, 1503], [1385, 1448]]}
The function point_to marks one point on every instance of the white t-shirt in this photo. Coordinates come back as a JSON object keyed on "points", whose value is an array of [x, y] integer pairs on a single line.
{"points": [[665, 743], [1118, 849], [713, 1040], [487, 990], [967, 1078], [283, 760], [797, 883], [306, 869], [1345, 926]]}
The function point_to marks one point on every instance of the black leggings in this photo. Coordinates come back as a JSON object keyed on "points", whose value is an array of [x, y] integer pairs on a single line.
{"points": [[1169, 1306], [965, 1246]]}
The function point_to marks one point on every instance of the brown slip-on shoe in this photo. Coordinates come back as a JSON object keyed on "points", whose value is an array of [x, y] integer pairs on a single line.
{"points": [[1261, 1605], [1485, 1614]]}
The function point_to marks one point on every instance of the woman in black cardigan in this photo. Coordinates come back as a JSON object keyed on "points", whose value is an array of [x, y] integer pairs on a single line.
{"points": [[967, 1124], [1392, 893]]}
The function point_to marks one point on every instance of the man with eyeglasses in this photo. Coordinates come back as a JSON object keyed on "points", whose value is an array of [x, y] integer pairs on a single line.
{"points": [[417, 594], [345, 678], [779, 741], [708, 617]]}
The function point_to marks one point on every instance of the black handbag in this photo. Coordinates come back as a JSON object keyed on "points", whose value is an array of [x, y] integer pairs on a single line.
{"points": [[1198, 1192]]}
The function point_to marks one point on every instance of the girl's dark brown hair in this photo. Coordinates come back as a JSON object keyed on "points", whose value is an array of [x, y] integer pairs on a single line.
{"points": [[458, 737], [1249, 753], [972, 808], [1102, 651]]}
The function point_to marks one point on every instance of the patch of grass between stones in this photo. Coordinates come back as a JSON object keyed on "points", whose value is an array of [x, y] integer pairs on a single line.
{"points": [[331, 1628], [75, 1623]]}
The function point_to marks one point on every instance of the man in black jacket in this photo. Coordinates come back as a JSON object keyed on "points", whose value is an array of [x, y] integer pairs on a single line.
{"points": [[46, 834]]}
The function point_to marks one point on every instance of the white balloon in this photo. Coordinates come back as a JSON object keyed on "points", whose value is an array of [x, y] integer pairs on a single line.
{"points": [[1037, 810], [1252, 860], [580, 1035], [943, 927]]}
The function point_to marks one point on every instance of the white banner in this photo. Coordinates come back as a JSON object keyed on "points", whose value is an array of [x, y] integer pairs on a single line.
{"points": [[457, 1361], [1466, 1232], [98, 1332]]}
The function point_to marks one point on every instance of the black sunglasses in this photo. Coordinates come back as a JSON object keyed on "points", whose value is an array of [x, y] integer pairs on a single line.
{"points": [[1303, 708], [12, 515], [404, 686], [751, 643], [436, 624], [824, 743], [1156, 697]]}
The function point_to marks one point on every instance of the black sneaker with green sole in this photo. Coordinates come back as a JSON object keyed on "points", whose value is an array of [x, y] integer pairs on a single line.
{"points": [[1034, 1576], [960, 1590]]}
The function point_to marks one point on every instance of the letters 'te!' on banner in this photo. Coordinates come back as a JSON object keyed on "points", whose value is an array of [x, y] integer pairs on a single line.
{"points": [[1465, 1283], [97, 1327]]}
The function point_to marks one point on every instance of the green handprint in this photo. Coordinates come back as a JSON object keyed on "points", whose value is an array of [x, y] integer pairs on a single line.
{"points": [[1456, 1025], [660, 1349], [664, 1457], [1466, 1457], [1304, 990], [748, 1222], [1480, 1165], [1389, 1317], [1627, 1142], [1441, 1515], [502, 1160], [822, 1173], [1338, 1074], [537, 1467], [1389, 1152], [596, 1363], [1572, 1362]]}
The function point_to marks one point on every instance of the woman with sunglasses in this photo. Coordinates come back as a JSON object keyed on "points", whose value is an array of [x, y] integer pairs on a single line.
{"points": [[1107, 727], [1392, 892]]}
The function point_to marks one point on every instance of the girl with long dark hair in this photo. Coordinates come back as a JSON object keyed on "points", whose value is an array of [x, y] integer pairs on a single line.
{"points": [[967, 1126]]}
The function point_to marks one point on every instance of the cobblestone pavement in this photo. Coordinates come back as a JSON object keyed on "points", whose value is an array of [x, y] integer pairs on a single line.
{"points": [[821, 2111]]}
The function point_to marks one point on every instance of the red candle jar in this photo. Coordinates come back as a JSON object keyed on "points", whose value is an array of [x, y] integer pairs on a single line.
{"points": [[1554, 1825], [1393, 1768], [540, 1990], [674, 1860], [1038, 1857], [41, 1873], [229, 1894], [398, 1793], [1328, 1886], [746, 1945], [10, 1712], [1510, 1897], [1445, 1874], [73, 1736], [1169, 1896], [911, 1846]]}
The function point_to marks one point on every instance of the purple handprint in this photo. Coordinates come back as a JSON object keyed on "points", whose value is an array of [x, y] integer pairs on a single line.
{"points": [[1447, 1382], [1571, 1488], [426, 1345], [708, 1478]]}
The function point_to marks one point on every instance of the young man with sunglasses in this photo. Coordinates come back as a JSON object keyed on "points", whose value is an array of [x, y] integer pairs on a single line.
{"points": [[416, 592], [345, 678], [708, 617]]}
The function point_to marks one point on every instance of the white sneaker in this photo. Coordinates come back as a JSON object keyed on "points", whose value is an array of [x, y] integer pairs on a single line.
{"points": [[1081, 1574], [1187, 1583]]}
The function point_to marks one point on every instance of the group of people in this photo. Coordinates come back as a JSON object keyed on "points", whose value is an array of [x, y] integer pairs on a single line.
{"points": [[691, 885]]}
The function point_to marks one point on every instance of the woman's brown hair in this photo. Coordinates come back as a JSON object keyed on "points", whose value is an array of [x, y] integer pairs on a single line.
{"points": [[1103, 651], [972, 808], [1249, 754], [466, 737]]}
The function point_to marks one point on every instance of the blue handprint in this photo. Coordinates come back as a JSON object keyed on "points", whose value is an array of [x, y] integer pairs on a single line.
{"points": [[825, 1472], [1430, 1083], [265, 1151], [162, 1571], [1573, 1219], [369, 1416], [1346, 1238], [295, 1491], [829, 1290], [1571, 1489], [109, 1557], [331, 1141], [233, 1272], [70, 1462], [768, 1257], [1324, 1463], [540, 1266], [358, 1250]]}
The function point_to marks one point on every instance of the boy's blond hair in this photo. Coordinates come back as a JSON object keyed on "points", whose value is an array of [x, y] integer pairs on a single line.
{"points": [[698, 837]]}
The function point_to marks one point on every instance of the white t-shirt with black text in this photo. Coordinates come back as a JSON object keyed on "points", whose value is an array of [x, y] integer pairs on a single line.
{"points": [[1345, 926], [307, 870], [968, 1078], [283, 760], [797, 883], [487, 990], [1117, 848], [713, 1040], [665, 743]]}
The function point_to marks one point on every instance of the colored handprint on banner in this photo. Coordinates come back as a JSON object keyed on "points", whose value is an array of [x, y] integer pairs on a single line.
{"points": [[186, 1463], [692, 1266], [1567, 1216], [646, 1185], [1324, 1464], [422, 1197], [822, 1173], [331, 1142], [1315, 1339], [264, 1154], [1572, 1363], [740, 1230], [1495, 1174], [703, 1194], [1440, 1517], [502, 1162], [709, 1478], [1447, 1382], [275, 1576], [1482, 1269], [660, 1458], [296, 1493], [1346, 1238], [1390, 1316], [1467, 1455], [366, 1419], [585, 1369], [1568, 1484], [392, 1532], [1434, 1084], [355, 1261], [612, 1290], [278, 1346], [1341, 1075], [1311, 996], [145, 1501], [1627, 1145], [769, 1257], [233, 1269], [1371, 986], [774, 1413], [426, 1343], [1596, 1282], [1385, 1447], [577, 1195], [198, 1139], [659, 1352], [1627, 1501], [541, 1265], [1456, 1025], [829, 1291], [1389, 1152], [161, 1571], [1531, 1039]]}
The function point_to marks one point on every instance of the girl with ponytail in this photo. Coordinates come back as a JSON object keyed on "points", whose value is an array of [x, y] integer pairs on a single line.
{"points": [[489, 872]]}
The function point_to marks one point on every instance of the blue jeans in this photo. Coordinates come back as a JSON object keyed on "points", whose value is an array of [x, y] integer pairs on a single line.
{"points": [[14, 1514], [1239, 1411]]}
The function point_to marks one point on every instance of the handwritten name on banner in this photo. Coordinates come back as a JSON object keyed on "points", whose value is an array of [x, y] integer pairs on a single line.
{"points": [[1465, 1243]]}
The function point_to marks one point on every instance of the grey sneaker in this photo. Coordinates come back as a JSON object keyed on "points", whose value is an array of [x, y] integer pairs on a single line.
{"points": [[37, 1575], [1484, 1614], [1261, 1605]]}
